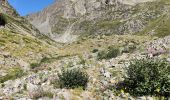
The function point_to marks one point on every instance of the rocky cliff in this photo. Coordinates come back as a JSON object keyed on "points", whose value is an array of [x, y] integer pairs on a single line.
{"points": [[65, 20]]}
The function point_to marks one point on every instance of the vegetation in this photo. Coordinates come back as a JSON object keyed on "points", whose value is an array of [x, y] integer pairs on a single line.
{"points": [[129, 49], [48, 94], [3, 20], [43, 60], [34, 65], [164, 29], [13, 73], [73, 79], [112, 52], [95, 50], [148, 77]]}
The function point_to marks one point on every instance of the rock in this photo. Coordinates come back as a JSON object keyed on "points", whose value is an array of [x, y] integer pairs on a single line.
{"points": [[141, 98], [113, 81], [34, 79], [23, 64], [64, 94], [169, 98], [34, 91], [1, 98], [123, 95], [105, 83], [149, 98], [44, 98], [5, 54], [86, 95], [130, 98], [107, 74], [19, 84], [168, 59], [11, 87]]}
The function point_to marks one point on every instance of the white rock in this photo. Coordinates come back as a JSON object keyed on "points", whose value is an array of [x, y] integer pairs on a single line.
{"points": [[149, 98], [141, 98], [107, 74], [23, 64], [34, 91]]}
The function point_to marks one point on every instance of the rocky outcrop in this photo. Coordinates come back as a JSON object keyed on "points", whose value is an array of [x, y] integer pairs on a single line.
{"points": [[97, 17]]}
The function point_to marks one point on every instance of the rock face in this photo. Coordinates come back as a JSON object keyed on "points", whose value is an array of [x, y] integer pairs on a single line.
{"points": [[65, 20]]}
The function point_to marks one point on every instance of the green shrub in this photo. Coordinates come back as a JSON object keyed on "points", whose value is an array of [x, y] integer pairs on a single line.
{"points": [[95, 50], [73, 78], [12, 74], [82, 61], [110, 53], [34, 65], [148, 77], [3, 20]]}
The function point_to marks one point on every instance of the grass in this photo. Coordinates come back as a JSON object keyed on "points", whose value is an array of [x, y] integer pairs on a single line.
{"points": [[48, 94], [108, 24], [164, 28], [112, 52], [21, 45], [12, 74], [160, 25], [42, 61], [36, 65]]}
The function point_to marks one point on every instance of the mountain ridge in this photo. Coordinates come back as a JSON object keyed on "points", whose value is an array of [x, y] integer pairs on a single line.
{"points": [[93, 15]]}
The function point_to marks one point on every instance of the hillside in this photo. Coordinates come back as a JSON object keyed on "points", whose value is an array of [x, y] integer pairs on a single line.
{"points": [[82, 49]]}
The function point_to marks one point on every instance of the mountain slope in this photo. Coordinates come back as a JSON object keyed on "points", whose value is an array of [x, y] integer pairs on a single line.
{"points": [[14, 21], [30, 62], [19, 42], [95, 17]]}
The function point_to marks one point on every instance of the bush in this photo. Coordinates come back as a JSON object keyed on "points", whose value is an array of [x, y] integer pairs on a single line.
{"points": [[73, 78], [148, 77], [111, 53], [95, 50], [34, 65], [3, 20]]}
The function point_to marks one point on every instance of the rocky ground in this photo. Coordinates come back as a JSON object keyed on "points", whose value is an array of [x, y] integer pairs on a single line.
{"points": [[41, 82]]}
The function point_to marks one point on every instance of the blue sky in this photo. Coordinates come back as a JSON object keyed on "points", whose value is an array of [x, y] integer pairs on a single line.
{"points": [[25, 7]]}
